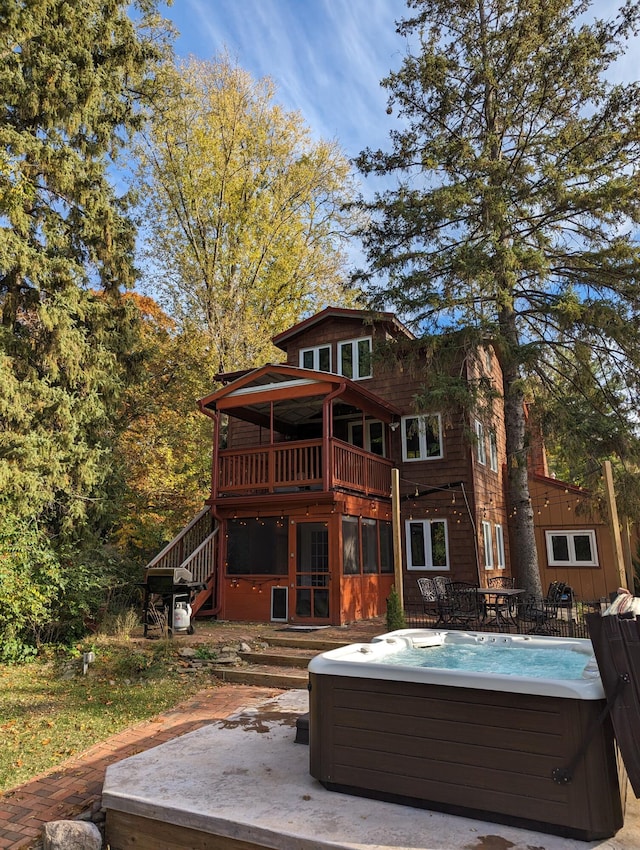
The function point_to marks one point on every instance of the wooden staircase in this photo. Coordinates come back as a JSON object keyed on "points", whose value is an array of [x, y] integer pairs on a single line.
{"points": [[194, 548]]}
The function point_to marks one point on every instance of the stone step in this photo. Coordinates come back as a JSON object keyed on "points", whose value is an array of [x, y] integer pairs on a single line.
{"points": [[283, 678], [315, 644], [278, 659]]}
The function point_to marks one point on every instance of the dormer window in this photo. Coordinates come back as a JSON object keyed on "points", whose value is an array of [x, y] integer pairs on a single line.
{"points": [[318, 358], [354, 358]]}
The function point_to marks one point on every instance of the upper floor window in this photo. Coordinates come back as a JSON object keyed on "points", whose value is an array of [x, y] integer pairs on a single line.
{"points": [[421, 437], [318, 358], [572, 548], [354, 358], [493, 451], [372, 439], [427, 546], [481, 448]]}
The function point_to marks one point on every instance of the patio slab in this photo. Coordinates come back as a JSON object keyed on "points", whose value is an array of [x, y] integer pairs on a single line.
{"points": [[243, 782]]}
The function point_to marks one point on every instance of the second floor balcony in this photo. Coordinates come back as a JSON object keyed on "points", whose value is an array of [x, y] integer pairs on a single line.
{"points": [[305, 465]]}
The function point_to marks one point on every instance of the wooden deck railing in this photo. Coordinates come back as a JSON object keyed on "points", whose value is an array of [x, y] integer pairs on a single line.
{"points": [[201, 563], [293, 466], [185, 542]]}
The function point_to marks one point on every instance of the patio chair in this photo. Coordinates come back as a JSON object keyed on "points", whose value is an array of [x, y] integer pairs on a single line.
{"points": [[539, 615], [501, 608], [502, 581], [430, 599], [461, 606]]}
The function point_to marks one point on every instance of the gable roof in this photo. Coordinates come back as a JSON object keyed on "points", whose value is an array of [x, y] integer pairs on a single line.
{"points": [[281, 339], [298, 393]]}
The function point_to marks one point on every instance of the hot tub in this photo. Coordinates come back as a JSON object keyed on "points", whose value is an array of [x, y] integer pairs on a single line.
{"points": [[496, 746]]}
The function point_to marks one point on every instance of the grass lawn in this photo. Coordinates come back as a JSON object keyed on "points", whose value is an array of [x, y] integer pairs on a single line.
{"points": [[50, 711]]}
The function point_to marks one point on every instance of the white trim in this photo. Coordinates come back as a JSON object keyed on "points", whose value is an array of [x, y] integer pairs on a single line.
{"points": [[481, 447], [355, 358], [422, 437], [570, 535], [315, 349], [500, 559], [426, 537], [493, 450], [265, 388], [367, 434], [487, 538]]}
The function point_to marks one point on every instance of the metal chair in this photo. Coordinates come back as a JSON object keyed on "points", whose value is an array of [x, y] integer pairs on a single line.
{"points": [[502, 609], [462, 605], [508, 582], [429, 594], [539, 614]]}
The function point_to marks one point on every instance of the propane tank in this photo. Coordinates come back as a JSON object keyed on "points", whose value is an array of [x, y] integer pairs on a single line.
{"points": [[181, 616]]}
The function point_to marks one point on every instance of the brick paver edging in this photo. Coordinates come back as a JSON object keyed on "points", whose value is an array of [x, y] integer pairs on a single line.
{"points": [[76, 785]]}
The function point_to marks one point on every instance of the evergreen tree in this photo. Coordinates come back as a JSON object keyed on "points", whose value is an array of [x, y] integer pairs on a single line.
{"points": [[73, 77], [516, 205]]}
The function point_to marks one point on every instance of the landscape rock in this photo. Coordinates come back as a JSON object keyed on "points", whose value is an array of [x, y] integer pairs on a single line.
{"points": [[187, 652], [71, 835]]}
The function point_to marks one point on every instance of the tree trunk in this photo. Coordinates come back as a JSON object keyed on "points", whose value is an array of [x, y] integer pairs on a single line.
{"points": [[524, 557]]}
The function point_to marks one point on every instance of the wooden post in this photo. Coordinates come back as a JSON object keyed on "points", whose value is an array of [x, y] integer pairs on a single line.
{"points": [[615, 524], [397, 540]]}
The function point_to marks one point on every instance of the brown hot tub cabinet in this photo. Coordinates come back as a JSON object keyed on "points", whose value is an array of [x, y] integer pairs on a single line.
{"points": [[479, 751]]}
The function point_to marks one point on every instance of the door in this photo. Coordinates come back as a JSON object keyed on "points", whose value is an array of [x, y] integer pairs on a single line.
{"points": [[312, 572]]}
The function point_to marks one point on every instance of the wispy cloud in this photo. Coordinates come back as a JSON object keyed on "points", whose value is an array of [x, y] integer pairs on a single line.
{"points": [[326, 57]]}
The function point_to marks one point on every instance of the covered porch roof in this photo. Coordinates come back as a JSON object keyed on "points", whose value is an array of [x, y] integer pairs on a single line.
{"points": [[294, 396]]}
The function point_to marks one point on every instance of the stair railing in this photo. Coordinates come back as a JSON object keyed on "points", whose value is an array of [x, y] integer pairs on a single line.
{"points": [[185, 542]]}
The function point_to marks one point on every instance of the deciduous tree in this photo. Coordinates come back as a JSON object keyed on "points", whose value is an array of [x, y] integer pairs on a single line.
{"points": [[516, 208], [243, 219]]}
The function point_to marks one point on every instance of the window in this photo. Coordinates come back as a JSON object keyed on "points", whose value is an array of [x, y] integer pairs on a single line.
{"points": [[369, 546], [572, 548], [257, 546], [354, 358], [350, 546], [427, 547], [488, 545], [386, 546], [493, 451], [500, 562], [373, 436], [481, 449], [318, 358], [421, 437]]}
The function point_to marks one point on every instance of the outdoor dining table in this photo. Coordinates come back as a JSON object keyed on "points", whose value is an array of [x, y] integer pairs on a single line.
{"points": [[501, 605]]}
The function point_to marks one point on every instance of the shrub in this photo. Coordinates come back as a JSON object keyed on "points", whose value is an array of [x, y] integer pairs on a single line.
{"points": [[395, 614]]}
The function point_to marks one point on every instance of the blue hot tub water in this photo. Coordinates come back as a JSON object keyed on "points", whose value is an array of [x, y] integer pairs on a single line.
{"points": [[534, 662]]}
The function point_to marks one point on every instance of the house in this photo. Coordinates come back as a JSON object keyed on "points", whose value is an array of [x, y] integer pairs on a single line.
{"points": [[299, 528]]}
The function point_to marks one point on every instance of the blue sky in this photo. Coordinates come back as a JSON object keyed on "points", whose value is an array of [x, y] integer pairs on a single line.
{"points": [[326, 57]]}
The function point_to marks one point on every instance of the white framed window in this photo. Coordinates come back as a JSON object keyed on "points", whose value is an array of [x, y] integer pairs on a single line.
{"points": [[318, 358], [427, 544], [572, 548], [487, 537], [372, 439], [421, 437], [493, 451], [481, 449], [500, 560], [354, 358]]}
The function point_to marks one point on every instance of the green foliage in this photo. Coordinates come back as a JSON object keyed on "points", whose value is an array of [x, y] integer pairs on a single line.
{"points": [[395, 614], [514, 212], [244, 213]]}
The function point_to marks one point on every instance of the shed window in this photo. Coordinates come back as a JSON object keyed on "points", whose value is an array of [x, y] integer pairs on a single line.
{"points": [[572, 548]]}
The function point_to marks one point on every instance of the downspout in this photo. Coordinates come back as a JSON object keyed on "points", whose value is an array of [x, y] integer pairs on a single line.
{"points": [[215, 416]]}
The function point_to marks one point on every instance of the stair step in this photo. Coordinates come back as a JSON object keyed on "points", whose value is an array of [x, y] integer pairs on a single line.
{"points": [[315, 644], [271, 677], [280, 659]]}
